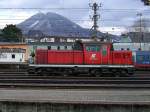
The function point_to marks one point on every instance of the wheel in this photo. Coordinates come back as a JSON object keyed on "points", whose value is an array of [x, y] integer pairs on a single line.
{"points": [[95, 73], [44, 73], [31, 71], [38, 71], [130, 72], [124, 73], [117, 74]]}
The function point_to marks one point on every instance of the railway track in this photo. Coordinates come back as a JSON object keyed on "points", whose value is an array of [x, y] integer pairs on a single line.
{"points": [[74, 82], [21, 79]]}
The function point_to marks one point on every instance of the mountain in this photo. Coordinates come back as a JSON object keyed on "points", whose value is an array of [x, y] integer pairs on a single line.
{"points": [[52, 24]]}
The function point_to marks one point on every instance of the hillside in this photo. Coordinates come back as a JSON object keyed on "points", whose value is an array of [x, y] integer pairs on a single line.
{"points": [[52, 24]]}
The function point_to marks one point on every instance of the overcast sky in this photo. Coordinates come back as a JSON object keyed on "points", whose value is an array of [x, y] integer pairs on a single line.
{"points": [[115, 14]]}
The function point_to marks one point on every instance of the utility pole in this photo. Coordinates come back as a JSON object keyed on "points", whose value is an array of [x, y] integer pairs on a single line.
{"points": [[146, 2], [95, 7], [140, 15], [141, 33]]}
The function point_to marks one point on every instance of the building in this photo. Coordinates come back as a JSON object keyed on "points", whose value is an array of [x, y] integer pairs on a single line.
{"points": [[132, 46], [138, 37], [58, 39], [12, 55], [16, 50]]}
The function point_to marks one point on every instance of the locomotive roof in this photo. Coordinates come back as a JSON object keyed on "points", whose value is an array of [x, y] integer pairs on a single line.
{"points": [[51, 43], [96, 42]]}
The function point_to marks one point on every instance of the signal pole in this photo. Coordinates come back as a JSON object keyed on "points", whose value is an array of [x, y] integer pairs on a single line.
{"points": [[95, 7]]}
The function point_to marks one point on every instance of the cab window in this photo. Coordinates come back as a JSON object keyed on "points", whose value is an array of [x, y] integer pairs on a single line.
{"points": [[53, 47], [92, 48], [78, 46], [69, 47], [104, 50], [61, 47]]}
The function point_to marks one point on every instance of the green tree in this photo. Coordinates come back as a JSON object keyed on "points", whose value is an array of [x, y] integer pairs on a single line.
{"points": [[12, 33]]}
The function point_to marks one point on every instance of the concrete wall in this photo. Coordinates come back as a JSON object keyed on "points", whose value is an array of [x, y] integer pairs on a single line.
{"points": [[45, 107]]}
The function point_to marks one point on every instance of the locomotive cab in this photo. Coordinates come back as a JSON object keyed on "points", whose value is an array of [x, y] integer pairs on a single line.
{"points": [[97, 53]]}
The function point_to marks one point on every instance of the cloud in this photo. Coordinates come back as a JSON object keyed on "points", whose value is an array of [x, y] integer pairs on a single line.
{"points": [[13, 17], [11, 3], [118, 17]]}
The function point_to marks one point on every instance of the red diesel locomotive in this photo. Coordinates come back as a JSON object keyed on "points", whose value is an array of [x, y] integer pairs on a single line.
{"points": [[94, 58]]}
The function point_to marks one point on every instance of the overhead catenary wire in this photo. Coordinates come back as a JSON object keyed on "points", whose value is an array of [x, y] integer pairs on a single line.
{"points": [[70, 8], [114, 20]]}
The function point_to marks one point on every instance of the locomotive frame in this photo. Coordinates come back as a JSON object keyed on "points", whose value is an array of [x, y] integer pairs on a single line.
{"points": [[93, 58]]}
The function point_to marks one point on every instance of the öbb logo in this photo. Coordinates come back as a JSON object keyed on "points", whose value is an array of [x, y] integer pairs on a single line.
{"points": [[93, 57]]}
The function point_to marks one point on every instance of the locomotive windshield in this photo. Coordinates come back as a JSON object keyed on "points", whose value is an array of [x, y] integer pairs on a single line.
{"points": [[78, 46], [92, 48]]}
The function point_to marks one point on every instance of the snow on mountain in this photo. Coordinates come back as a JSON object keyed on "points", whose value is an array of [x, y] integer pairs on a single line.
{"points": [[35, 23]]}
